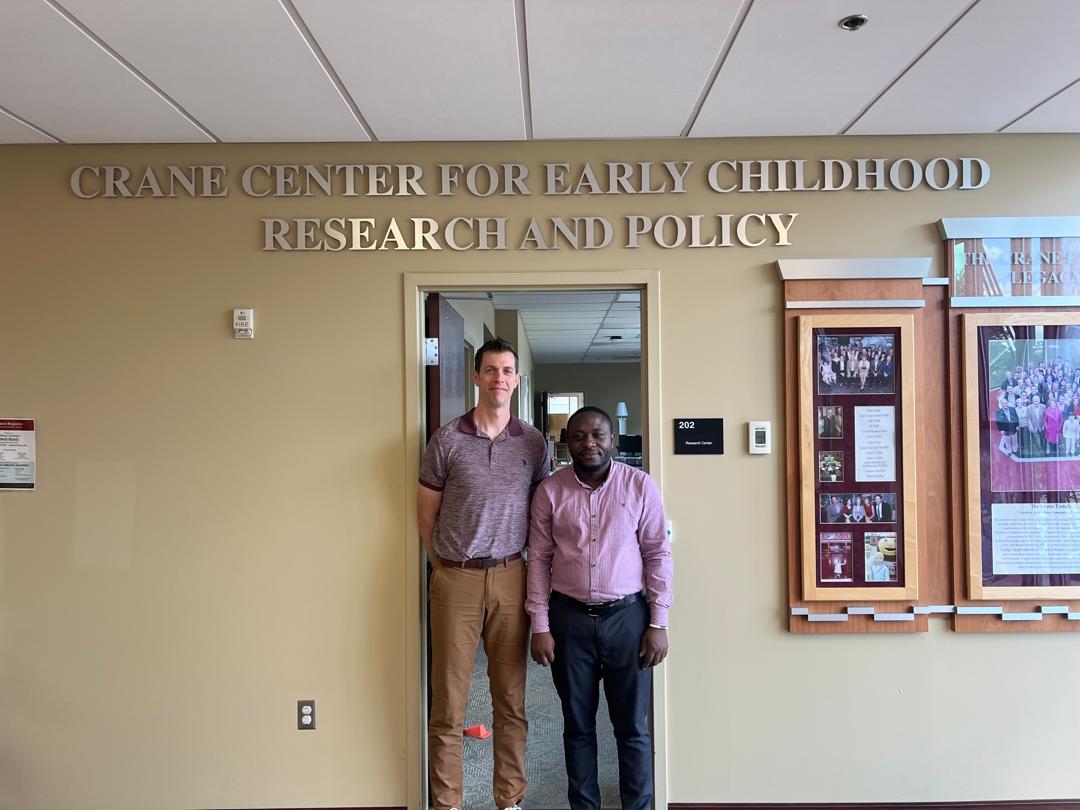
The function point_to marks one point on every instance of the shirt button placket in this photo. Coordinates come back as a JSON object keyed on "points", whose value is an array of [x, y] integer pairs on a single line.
{"points": [[594, 531]]}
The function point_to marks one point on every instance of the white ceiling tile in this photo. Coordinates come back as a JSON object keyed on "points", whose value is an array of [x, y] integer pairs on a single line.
{"points": [[563, 325], [12, 130], [1059, 114], [554, 339], [562, 338], [570, 310], [565, 322], [793, 70], [562, 316], [615, 347], [564, 334], [425, 71], [999, 61], [242, 70], [240, 67], [621, 68], [567, 330], [51, 73], [522, 300]]}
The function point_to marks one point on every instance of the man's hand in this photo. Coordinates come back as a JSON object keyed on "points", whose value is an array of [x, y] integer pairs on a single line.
{"points": [[543, 648], [654, 646]]}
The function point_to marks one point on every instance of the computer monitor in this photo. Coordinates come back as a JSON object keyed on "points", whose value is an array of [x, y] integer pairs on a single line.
{"points": [[629, 445]]}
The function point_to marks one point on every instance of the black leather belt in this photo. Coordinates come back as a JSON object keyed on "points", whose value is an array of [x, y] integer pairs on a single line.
{"points": [[602, 608], [481, 562]]}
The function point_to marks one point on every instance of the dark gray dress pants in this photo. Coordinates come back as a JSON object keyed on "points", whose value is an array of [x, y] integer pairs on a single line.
{"points": [[588, 650]]}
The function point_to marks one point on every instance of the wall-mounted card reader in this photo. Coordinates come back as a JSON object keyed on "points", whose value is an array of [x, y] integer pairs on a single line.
{"points": [[760, 437]]}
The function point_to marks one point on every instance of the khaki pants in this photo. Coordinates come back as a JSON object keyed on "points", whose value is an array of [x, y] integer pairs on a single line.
{"points": [[468, 604]]}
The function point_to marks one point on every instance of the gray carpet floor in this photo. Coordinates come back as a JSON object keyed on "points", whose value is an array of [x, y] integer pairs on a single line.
{"points": [[545, 769]]}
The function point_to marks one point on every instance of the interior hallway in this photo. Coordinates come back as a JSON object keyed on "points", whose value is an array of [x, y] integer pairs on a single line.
{"points": [[544, 766]]}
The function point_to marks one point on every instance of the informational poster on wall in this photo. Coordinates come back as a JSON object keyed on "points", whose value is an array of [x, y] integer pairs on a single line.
{"points": [[858, 540], [17, 455], [875, 443], [1022, 420]]}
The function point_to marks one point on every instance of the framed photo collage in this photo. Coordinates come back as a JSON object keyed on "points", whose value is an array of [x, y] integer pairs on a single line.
{"points": [[858, 529]]}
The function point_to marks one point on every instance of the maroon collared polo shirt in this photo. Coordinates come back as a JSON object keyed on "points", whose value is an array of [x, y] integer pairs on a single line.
{"points": [[486, 484]]}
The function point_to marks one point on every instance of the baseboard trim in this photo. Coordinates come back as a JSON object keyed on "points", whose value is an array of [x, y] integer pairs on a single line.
{"points": [[1050, 804]]}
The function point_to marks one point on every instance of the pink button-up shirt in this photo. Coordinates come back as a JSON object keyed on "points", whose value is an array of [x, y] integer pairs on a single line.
{"points": [[598, 545]]}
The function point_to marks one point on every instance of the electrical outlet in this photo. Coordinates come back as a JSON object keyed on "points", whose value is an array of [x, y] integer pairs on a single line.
{"points": [[305, 715]]}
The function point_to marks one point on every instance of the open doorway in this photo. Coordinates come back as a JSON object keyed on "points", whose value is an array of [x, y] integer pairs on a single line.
{"points": [[588, 341], [559, 326]]}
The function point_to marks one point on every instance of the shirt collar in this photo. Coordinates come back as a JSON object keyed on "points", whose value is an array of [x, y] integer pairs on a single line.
{"points": [[604, 483], [467, 424]]}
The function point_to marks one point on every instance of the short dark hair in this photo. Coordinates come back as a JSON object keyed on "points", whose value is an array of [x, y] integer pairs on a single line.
{"points": [[496, 346], [589, 409]]}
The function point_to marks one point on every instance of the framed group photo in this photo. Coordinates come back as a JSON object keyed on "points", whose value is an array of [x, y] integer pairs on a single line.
{"points": [[1022, 454], [857, 457]]}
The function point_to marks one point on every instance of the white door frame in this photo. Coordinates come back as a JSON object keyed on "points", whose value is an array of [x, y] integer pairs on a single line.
{"points": [[415, 285]]}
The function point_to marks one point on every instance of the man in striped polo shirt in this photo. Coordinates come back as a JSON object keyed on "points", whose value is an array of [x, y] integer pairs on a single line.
{"points": [[599, 592], [476, 479]]}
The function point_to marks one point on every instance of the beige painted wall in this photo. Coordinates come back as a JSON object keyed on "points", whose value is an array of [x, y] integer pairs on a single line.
{"points": [[604, 385], [510, 327], [477, 315], [219, 526]]}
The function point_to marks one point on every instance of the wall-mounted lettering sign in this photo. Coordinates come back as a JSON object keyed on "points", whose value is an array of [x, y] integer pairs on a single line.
{"points": [[356, 229], [699, 437], [1013, 261], [1015, 267]]}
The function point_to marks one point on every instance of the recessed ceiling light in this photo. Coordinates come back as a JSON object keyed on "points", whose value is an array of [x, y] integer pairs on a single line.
{"points": [[853, 22]]}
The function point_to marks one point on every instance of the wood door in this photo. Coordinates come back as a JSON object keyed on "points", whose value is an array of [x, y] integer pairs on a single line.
{"points": [[446, 381]]}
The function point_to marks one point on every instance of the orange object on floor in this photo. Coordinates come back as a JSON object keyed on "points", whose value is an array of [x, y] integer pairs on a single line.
{"points": [[481, 732]]}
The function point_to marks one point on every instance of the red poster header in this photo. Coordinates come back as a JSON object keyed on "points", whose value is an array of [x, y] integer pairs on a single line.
{"points": [[16, 424]]}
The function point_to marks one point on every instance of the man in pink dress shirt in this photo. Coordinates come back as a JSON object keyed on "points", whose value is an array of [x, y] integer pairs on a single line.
{"points": [[599, 589]]}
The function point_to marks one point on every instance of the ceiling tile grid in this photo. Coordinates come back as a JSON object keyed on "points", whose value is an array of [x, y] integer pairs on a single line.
{"points": [[1059, 114], [113, 71], [579, 327], [59, 79], [12, 130], [1000, 60], [632, 69], [239, 67], [817, 76], [426, 71]]}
